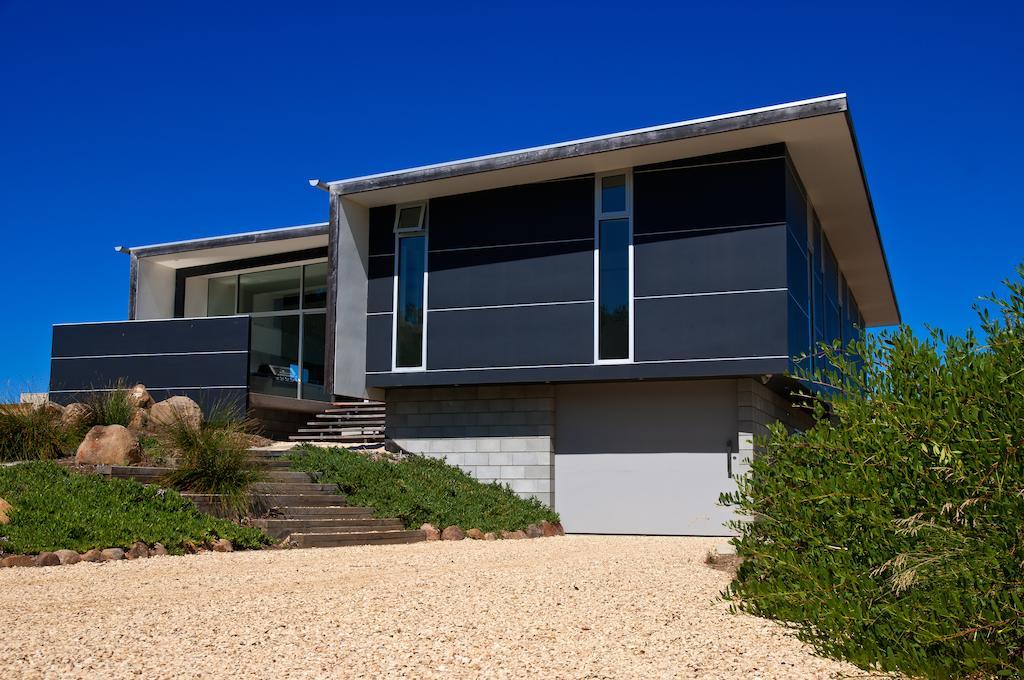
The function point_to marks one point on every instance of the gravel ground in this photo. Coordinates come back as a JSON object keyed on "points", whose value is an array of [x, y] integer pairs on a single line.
{"points": [[569, 607]]}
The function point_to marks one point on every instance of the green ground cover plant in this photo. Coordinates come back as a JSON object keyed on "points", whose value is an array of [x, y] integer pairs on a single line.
{"points": [[57, 509], [891, 533], [30, 433], [418, 489]]}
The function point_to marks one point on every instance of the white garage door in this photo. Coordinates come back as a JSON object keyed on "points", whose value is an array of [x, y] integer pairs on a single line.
{"points": [[646, 458]]}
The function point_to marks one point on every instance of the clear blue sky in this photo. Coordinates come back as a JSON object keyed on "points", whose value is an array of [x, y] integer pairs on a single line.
{"points": [[133, 123]]}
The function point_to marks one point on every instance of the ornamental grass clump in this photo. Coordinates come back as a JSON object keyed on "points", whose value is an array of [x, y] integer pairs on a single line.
{"points": [[111, 407], [891, 533], [211, 457], [29, 432]]}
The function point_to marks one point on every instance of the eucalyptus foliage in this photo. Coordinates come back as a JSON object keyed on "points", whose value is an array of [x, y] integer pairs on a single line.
{"points": [[891, 533]]}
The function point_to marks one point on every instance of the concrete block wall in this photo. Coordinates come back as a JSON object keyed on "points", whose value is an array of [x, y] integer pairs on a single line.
{"points": [[758, 407], [498, 433]]}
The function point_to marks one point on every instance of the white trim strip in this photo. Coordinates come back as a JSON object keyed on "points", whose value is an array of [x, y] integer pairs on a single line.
{"points": [[653, 361], [112, 389], [682, 230], [389, 313], [513, 245], [153, 354], [520, 304], [707, 165], [715, 292]]}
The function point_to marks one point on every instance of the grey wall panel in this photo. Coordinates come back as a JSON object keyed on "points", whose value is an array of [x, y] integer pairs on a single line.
{"points": [[739, 325], [698, 262], [159, 371], [380, 284], [151, 337], [511, 336], [378, 342], [552, 272]]}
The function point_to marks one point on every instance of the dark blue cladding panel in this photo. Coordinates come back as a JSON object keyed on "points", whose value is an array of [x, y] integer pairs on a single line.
{"points": [[159, 371], [551, 272], [208, 398], [378, 342], [709, 326], [701, 262], [382, 230], [151, 337], [511, 336], [380, 284], [547, 211]]}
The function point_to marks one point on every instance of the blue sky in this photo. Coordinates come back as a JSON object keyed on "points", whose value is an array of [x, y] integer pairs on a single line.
{"points": [[133, 123]]}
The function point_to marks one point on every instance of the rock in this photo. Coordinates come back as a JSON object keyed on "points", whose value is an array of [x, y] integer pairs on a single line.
{"points": [[475, 534], [140, 421], [5, 512], [453, 533], [93, 555], [534, 531], [67, 556], [55, 410], [158, 550], [431, 532], [18, 561], [112, 554], [76, 415], [176, 409], [109, 445], [138, 549], [223, 545], [490, 536], [548, 529], [513, 535], [139, 396], [559, 531], [47, 559]]}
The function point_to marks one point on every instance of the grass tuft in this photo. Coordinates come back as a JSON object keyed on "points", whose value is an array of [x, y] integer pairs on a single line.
{"points": [[113, 407], [31, 433]]}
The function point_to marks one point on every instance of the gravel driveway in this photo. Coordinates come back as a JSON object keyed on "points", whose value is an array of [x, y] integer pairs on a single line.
{"points": [[569, 607]]}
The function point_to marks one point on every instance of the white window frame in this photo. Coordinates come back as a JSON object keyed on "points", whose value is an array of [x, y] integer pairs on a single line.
{"points": [[422, 230], [626, 214]]}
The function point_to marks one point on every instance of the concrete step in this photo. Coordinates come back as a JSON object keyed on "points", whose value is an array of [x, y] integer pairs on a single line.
{"points": [[323, 512], [345, 538], [345, 430], [303, 488], [280, 528], [354, 417], [346, 438]]}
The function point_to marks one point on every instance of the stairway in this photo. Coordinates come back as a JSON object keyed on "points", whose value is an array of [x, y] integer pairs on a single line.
{"points": [[348, 422], [289, 506]]}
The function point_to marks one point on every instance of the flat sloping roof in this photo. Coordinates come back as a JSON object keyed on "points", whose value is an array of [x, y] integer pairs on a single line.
{"points": [[241, 238]]}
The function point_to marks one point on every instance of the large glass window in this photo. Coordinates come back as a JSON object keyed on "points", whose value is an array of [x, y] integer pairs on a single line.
{"points": [[220, 296], [409, 322], [273, 290], [614, 239], [274, 355]]}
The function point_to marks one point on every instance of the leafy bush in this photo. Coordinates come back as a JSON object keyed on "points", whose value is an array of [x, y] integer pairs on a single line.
{"points": [[418, 489], [56, 509], [111, 407], [211, 458], [30, 433], [891, 533]]}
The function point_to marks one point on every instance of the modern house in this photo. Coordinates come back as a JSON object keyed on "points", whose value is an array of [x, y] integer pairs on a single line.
{"points": [[603, 324]]}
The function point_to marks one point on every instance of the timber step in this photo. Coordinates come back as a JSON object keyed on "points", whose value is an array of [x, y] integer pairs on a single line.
{"points": [[352, 422], [323, 511], [343, 538], [282, 528], [148, 475]]}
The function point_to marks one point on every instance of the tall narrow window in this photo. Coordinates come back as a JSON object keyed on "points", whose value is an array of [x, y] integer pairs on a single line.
{"points": [[410, 289], [613, 268]]}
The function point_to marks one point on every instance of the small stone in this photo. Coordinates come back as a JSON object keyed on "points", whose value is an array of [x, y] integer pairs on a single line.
{"points": [[453, 533], [559, 531], [534, 531], [158, 550], [112, 554], [139, 396], [18, 561], [5, 512], [138, 549], [475, 534], [47, 559], [93, 555], [223, 545], [430, 531], [513, 535], [490, 536], [67, 556], [548, 529]]}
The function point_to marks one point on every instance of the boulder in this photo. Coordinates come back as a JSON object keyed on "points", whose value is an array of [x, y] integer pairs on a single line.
{"points": [[93, 555], [54, 409], [138, 549], [453, 533], [475, 534], [490, 536], [18, 561], [513, 535], [140, 421], [47, 559], [109, 445], [534, 531], [112, 554], [559, 531], [158, 550], [176, 409], [431, 532], [548, 528], [139, 396], [76, 414], [5, 512], [223, 545], [67, 556]]}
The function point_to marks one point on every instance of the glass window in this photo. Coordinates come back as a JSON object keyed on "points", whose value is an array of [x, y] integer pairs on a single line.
{"points": [[274, 354], [409, 218], [409, 324], [274, 290], [220, 296], [314, 295], [613, 194], [613, 289], [314, 336]]}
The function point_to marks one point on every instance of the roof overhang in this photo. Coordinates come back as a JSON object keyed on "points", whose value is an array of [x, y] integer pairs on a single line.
{"points": [[818, 133], [203, 251]]}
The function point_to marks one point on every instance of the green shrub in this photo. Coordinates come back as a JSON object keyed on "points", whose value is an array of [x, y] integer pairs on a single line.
{"points": [[418, 489], [56, 509], [111, 407], [211, 458], [29, 433], [891, 533]]}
